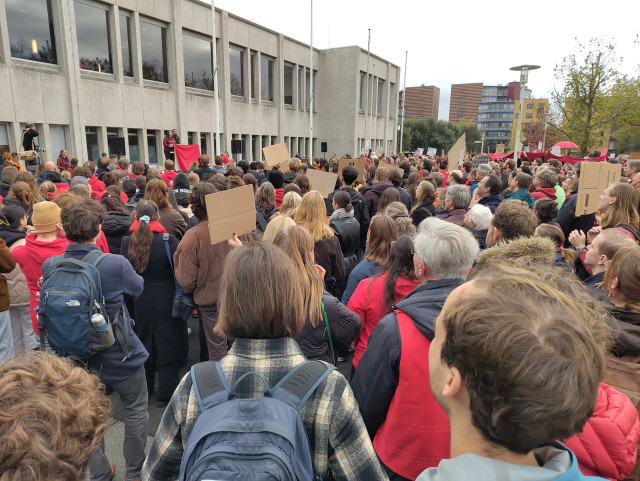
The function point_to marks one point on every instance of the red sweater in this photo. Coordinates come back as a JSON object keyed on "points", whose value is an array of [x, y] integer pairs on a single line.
{"points": [[168, 177], [30, 257], [607, 445], [366, 301]]}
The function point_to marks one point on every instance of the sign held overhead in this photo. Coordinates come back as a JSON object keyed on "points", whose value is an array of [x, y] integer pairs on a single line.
{"points": [[594, 178], [230, 212]]}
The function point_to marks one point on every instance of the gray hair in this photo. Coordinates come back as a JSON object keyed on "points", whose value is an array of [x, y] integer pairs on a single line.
{"points": [[634, 164], [480, 215], [447, 249], [483, 169], [460, 195]]}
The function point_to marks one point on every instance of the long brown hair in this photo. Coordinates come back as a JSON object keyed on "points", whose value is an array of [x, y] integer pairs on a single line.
{"points": [[297, 243], [625, 266], [22, 192], [28, 177], [624, 210], [142, 237], [382, 233], [400, 265], [158, 192]]}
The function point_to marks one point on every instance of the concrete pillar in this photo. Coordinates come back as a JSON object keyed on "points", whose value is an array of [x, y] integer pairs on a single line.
{"points": [[224, 84], [136, 47]]}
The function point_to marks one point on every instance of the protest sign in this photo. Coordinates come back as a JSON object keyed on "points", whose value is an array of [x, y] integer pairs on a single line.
{"points": [[500, 148], [432, 151], [230, 211], [456, 153], [358, 164], [323, 182], [391, 167], [275, 154], [634, 156], [594, 178]]}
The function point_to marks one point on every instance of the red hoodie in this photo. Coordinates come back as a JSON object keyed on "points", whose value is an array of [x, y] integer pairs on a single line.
{"points": [[168, 177], [544, 193], [30, 257], [279, 195], [97, 186]]}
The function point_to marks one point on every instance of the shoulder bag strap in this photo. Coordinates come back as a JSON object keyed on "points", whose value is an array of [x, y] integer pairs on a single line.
{"points": [[326, 323], [165, 239]]}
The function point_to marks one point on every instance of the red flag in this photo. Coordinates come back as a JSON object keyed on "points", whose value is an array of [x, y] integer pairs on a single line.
{"points": [[186, 155]]}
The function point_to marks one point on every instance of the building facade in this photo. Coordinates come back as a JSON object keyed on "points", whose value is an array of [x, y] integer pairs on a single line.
{"points": [[420, 102], [465, 100], [534, 110], [87, 71]]}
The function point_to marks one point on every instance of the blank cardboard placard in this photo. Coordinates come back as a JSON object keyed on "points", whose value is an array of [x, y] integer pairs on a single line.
{"points": [[456, 153], [275, 154], [358, 164], [500, 148], [230, 211], [323, 182], [284, 167], [634, 156], [391, 167], [594, 178]]}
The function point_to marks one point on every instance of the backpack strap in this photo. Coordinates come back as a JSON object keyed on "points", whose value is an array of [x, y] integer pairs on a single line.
{"points": [[210, 384], [300, 383], [631, 230], [123, 340]]}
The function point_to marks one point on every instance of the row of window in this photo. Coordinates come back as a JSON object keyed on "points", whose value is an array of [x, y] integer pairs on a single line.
{"points": [[32, 37], [379, 94]]}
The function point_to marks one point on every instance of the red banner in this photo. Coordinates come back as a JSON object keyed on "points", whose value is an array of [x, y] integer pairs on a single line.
{"points": [[186, 155]]}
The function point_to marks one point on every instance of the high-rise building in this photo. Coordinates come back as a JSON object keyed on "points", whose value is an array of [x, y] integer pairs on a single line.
{"points": [[421, 102], [495, 115], [465, 99]]}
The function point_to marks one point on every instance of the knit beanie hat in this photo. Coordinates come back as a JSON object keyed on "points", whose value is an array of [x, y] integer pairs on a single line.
{"points": [[45, 217], [79, 179]]}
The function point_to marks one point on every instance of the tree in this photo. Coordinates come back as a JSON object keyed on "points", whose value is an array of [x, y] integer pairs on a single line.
{"points": [[534, 134], [429, 132], [595, 96]]}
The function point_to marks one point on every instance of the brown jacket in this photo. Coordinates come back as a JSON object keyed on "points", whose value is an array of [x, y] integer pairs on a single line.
{"points": [[173, 222], [7, 264], [199, 264]]}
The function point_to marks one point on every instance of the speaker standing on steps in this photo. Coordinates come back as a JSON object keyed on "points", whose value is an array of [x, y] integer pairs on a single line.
{"points": [[323, 147], [236, 146]]}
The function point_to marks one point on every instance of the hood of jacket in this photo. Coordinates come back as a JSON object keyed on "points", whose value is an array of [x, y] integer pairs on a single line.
{"points": [[626, 331], [544, 192], [11, 235], [379, 187], [521, 252], [557, 463], [40, 251], [116, 223], [181, 181], [425, 302]]}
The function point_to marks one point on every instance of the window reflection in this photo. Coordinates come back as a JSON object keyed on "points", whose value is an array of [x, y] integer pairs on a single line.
{"points": [[94, 41], [153, 40], [31, 34], [198, 62]]}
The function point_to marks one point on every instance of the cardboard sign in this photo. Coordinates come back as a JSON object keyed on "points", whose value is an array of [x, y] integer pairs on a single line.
{"points": [[456, 153], [594, 178], [284, 167], [499, 148], [357, 163], [323, 182], [634, 156], [230, 211], [391, 167], [275, 154]]}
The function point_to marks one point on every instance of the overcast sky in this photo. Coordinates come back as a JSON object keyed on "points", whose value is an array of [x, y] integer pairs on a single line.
{"points": [[456, 41]]}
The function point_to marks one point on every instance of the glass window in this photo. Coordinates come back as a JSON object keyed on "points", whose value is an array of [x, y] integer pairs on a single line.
{"points": [[460, 112], [392, 98], [192, 138], [380, 96], [198, 62], [203, 143], [4, 139], [307, 89], [112, 132], [254, 74], [315, 89], [134, 145], [94, 40], [301, 88], [125, 45], [152, 145], [58, 139], [31, 34], [529, 106], [529, 116], [153, 41], [288, 84], [236, 70], [362, 91], [93, 149], [266, 78]]}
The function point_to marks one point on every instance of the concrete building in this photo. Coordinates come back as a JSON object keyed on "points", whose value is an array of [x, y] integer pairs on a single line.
{"points": [[495, 115], [87, 71], [420, 102], [465, 99], [534, 110]]}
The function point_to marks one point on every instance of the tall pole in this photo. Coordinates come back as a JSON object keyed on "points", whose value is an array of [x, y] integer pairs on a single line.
{"points": [[404, 99], [366, 106], [544, 137], [216, 94], [311, 90]]}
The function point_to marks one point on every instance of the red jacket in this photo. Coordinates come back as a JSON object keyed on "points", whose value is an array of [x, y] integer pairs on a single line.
{"points": [[544, 193], [168, 177], [366, 301], [607, 445], [30, 257], [97, 186], [279, 196], [167, 143], [64, 164]]}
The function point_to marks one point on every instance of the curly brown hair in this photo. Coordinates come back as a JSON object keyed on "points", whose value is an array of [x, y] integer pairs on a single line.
{"points": [[197, 201], [53, 417]]}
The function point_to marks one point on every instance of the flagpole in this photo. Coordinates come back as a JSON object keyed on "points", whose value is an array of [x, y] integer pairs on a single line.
{"points": [[216, 99]]}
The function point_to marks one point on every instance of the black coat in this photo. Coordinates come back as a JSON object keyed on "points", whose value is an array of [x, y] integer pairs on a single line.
{"points": [[159, 332], [115, 226], [347, 230], [424, 210], [360, 212], [568, 221], [344, 324]]}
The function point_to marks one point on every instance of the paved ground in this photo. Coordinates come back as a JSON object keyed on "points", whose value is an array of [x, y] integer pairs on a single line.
{"points": [[115, 431]]}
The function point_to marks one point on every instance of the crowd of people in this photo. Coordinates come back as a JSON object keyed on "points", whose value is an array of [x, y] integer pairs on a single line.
{"points": [[481, 317]]}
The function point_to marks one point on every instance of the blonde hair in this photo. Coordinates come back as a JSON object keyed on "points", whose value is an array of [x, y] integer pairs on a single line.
{"points": [[312, 214], [290, 204], [624, 210], [275, 226]]}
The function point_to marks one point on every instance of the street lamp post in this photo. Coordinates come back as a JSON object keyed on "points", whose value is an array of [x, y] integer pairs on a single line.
{"points": [[524, 76]]}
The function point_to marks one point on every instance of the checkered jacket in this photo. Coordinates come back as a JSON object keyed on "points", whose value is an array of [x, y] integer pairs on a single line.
{"points": [[339, 441]]}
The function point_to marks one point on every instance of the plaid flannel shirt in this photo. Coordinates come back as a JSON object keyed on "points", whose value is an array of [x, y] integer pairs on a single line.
{"points": [[339, 441]]}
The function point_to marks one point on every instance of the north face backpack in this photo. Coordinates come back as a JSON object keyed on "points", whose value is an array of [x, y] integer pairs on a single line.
{"points": [[260, 438], [70, 294]]}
